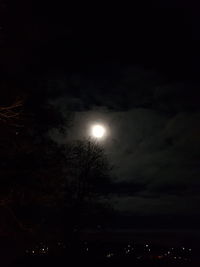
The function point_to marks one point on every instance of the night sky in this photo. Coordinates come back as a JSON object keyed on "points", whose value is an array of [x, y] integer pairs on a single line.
{"points": [[135, 70]]}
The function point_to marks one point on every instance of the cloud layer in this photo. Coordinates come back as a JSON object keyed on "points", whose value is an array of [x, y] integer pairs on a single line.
{"points": [[153, 141]]}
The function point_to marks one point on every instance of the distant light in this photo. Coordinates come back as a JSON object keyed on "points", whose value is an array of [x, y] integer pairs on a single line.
{"points": [[109, 255]]}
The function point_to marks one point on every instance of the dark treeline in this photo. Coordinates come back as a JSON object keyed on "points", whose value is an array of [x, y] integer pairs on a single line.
{"points": [[48, 190]]}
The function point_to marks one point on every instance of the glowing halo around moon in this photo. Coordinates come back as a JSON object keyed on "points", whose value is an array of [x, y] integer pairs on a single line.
{"points": [[98, 131]]}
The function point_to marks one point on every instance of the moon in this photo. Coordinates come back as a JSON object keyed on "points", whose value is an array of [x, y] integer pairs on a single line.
{"points": [[98, 131]]}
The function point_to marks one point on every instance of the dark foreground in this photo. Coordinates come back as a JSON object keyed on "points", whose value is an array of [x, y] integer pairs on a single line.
{"points": [[77, 261]]}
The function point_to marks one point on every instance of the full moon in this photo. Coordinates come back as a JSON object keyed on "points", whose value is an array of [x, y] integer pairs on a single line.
{"points": [[98, 131]]}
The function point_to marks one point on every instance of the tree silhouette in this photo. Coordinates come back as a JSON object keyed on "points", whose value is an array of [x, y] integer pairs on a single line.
{"points": [[47, 187], [30, 163], [87, 175], [87, 170]]}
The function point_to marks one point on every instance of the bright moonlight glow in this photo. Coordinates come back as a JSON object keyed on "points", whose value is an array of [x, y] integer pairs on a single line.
{"points": [[98, 131]]}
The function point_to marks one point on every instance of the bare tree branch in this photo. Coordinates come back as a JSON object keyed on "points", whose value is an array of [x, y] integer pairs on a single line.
{"points": [[11, 114]]}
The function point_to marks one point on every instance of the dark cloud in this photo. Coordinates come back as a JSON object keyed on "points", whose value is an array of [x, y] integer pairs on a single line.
{"points": [[178, 189], [164, 205], [124, 88], [125, 189]]}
